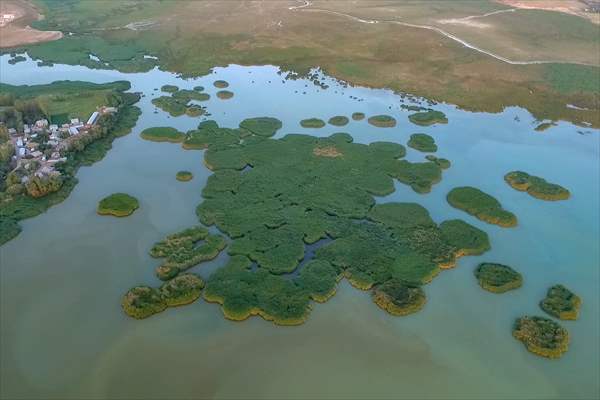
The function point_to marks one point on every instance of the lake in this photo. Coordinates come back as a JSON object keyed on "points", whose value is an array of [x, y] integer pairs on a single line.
{"points": [[63, 333]]}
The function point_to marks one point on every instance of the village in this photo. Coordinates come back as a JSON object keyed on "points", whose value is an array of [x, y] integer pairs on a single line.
{"points": [[40, 146]]}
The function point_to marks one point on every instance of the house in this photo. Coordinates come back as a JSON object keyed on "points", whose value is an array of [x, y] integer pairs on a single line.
{"points": [[37, 154], [12, 131], [26, 130], [73, 130], [19, 142], [74, 121], [93, 118], [53, 127], [21, 151], [42, 123]]}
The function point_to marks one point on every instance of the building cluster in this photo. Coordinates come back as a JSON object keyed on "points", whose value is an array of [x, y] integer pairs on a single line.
{"points": [[39, 146], [6, 19]]}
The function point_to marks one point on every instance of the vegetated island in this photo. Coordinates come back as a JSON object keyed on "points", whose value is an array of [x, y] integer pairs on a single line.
{"points": [[422, 142], [169, 88], [338, 120], [142, 301], [184, 176], [162, 134], [536, 186], [542, 336], [498, 278], [442, 162], [427, 118], [358, 116], [45, 127], [399, 298], [561, 303], [481, 205], [224, 94], [382, 121], [544, 126], [179, 102], [221, 84], [118, 205], [273, 210], [312, 123]]}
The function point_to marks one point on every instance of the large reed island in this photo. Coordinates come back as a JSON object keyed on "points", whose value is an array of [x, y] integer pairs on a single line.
{"points": [[299, 190], [481, 205], [561, 303], [427, 118], [536, 187], [179, 103], [542, 336], [118, 205], [498, 278]]}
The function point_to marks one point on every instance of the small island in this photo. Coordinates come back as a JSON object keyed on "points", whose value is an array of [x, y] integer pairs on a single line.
{"points": [[224, 94], [382, 121], [118, 205], [544, 126], [481, 205], [441, 162], [428, 118], [542, 336], [358, 116], [536, 187], [169, 88], [312, 123], [399, 298], [142, 301], [184, 176], [338, 120], [498, 278], [221, 84], [561, 303], [422, 142], [163, 134], [261, 126]]}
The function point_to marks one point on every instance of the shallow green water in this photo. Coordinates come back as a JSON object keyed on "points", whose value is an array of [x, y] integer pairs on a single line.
{"points": [[63, 335]]}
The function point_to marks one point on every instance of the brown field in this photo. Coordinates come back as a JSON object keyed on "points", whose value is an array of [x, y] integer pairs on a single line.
{"points": [[18, 32]]}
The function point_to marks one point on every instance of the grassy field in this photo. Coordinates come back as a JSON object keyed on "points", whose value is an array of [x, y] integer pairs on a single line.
{"points": [[429, 64]]}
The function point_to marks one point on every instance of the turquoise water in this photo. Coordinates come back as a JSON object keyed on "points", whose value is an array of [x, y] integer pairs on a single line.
{"points": [[63, 334]]}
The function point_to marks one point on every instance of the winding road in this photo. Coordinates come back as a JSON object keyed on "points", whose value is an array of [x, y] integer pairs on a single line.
{"points": [[304, 7]]}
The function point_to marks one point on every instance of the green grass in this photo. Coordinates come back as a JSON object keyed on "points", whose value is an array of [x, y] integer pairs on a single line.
{"points": [[118, 205], [312, 123], [422, 142], [571, 78], [498, 278], [536, 187], [561, 303], [481, 205], [162, 134], [382, 121]]}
